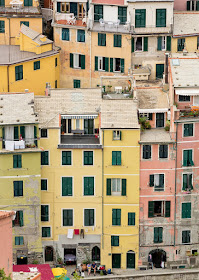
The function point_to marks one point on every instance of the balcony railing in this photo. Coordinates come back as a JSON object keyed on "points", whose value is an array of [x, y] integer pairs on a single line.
{"points": [[71, 19], [12, 145]]}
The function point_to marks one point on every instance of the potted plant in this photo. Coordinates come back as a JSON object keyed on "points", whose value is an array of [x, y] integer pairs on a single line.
{"points": [[144, 123], [84, 265], [167, 127]]}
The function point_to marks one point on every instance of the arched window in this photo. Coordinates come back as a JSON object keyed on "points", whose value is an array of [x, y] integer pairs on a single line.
{"points": [[96, 254]]}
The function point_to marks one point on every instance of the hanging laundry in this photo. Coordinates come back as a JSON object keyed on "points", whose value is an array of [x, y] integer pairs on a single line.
{"points": [[76, 231], [70, 233]]}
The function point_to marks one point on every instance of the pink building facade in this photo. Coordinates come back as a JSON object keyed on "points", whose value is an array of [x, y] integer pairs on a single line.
{"points": [[180, 5]]}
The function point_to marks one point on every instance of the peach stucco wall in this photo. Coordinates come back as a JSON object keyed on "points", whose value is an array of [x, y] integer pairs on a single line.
{"points": [[180, 5]]}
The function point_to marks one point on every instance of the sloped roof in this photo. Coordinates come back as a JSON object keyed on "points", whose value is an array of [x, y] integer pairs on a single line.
{"points": [[186, 24], [34, 35], [156, 135], [4, 214], [152, 98]]}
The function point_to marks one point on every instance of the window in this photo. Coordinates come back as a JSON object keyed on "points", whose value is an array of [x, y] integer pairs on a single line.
{"points": [[65, 34], [157, 181], [197, 43], [181, 43], [56, 62], [18, 221], [44, 184], [116, 186], [77, 61], [140, 18], [101, 39], [67, 217], [88, 185], [44, 213], [81, 36], [131, 219], [187, 158], [160, 17], [192, 5], [158, 234], [117, 65], [89, 219], [65, 7], [44, 133], [101, 63], [116, 217], [81, 10], [26, 23], [159, 209], [77, 124], [159, 119], [76, 83], [67, 186], [187, 182], [66, 126], [88, 158], [66, 157], [141, 44], [16, 133], [186, 236], [117, 41], [19, 73], [116, 158], [122, 14], [186, 210], [148, 116], [19, 240], [117, 135], [2, 3], [164, 43], [46, 232], [188, 129], [146, 152], [28, 3], [163, 151], [36, 65], [184, 98], [114, 240], [98, 12], [88, 126], [18, 188], [44, 158], [2, 26], [17, 161]]}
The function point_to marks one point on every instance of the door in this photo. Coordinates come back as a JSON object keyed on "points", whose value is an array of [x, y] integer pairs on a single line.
{"points": [[159, 119], [159, 71], [48, 254], [116, 260], [73, 8], [130, 260], [88, 126]]}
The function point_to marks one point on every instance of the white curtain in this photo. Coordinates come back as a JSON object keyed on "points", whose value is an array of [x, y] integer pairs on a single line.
{"points": [[156, 180], [29, 132], [9, 133]]}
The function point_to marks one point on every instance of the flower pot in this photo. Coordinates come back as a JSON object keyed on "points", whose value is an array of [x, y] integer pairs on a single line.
{"points": [[84, 267]]}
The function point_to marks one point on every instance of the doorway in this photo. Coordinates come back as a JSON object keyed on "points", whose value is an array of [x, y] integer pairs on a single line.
{"points": [[48, 254], [158, 256], [130, 256], [96, 254], [159, 71], [22, 259], [70, 255], [159, 119], [116, 260]]}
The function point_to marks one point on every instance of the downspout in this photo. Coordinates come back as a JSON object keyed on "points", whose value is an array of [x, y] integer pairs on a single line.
{"points": [[90, 59], [175, 185], [103, 190], [9, 32], [8, 81]]}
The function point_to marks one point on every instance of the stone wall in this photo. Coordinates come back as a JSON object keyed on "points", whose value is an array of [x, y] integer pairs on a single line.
{"points": [[84, 251]]}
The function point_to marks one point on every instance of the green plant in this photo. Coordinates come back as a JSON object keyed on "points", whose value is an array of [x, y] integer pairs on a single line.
{"points": [[76, 276], [144, 123], [3, 275], [85, 262], [62, 277], [175, 104], [167, 126], [35, 262], [195, 254], [59, 260]]}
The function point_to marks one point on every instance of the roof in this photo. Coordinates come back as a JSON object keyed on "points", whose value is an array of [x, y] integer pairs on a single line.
{"points": [[185, 73], [26, 275], [34, 35], [155, 135], [186, 24], [5, 214], [10, 54], [44, 269], [17, 108], [152, 98], [150, 0]]}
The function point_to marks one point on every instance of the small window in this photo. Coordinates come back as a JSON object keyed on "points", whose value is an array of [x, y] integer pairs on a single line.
{"points": [[18, 221], [76, 83], [102, 63], [44, 213], [158, 234], [162, 43], [27, 3], [116, 187], [67, 217], [186, 236], [186, 210], [114, 240], [181, 43], [184, 98], [56, 62], [117, 135], [77, 61], [67, 186], [122, 14], [18, 188], [46, 232], [19, 73], [117, 41], [44, 184], [146, 152], [19, 240], [88, 186], [81, 36], [88, 158], [163, 151], [157, 181], [55, 83], [187, 158], [98, 12], [116, 157], [89, 219], [65, 7], [160, 17], [66, 158], [2, 3], [187, 182], [44, 158], [37, 65], [140, 18], [65, 34], [102, 39], [26, 23], [131, 219], [139, 44], [2, 26], [44, 133], [116, 217], [118, 65], [188, 129], [17, 162]]}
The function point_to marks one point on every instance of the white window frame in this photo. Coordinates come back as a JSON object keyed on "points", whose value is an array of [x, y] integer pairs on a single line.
{"points": [[154, 187], [194, 98], [92, 176], [63, 216], [83, 158], [100, 59], [192, 157], [47, 133], [164, 40], [75, 58], [142, 44], [193, 130], [71, 159], [116, 134], [117, 192], [47, 184], [186, 173]]}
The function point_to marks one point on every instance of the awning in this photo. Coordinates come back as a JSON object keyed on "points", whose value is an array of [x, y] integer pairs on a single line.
{"points": [[187, 92], [79, 116], [163, 110]]}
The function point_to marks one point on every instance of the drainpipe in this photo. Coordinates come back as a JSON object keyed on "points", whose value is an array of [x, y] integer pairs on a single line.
{"points": [[90, 59], [175, 185], [9, 32], [103, 190], [8, 81]]}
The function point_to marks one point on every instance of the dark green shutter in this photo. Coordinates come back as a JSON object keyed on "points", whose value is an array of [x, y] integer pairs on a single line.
{"points": [[185, 157], [156, 235], [132, 44], [114, 221], [106, 64], [159, 46], [188, 5], [197, 5], [22, 132], [169, 43], [111, 64], [96, 63], [151, 180], [122, 65], [35, 135], [21, 218], [16, 133], [120, 135], [15, 158], [131, 219], [71, 60], [150, 209], [123, 187], [86, 217], [2, 28], [184, 187], [190, 181], [108, 186], [99, 39], [190, 158], [82, 61], [118, 154], [118, 217], [145, 44], [114, 158], [67, 189], [161, 180], [167, 208]]}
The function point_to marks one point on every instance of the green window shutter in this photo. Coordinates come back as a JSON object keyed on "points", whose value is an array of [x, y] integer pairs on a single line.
{"points": [[106, 64], [190, 129], [16, 133], [188, 5], [115, 40], [43, 184], [184, 187], [114, 158], [108, 186], [71, 60], [91, 217], [2, 3], [86, 188], [160, 17], [16, 240], [123, 187], [120, 135], [104, 40], [16, 192], [132, 44], [58, 7], [167, 208], [151, 180], [156, 234], [161, 180], [197, 5], [35, 135], [65, 34], [21, 218], [86, 217], [184, 208], [131, 219], [111, 64], [186, 130], [119, 158], [190, 158], [122, 65], [96, 63], [150, 209], [67, 186], [114, 221], [189, 210], [19, 161], [82, 61], [112, 240], [66, 158], [99, 39], [119, 217], [22, 132], [15, 161], [190, 182], [2, 26], [159, 45], [160, 234], [185, 157], [145, 44], [169, 43]]}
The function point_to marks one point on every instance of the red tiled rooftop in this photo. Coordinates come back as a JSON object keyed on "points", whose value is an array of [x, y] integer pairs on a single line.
{"points": [[65, 22], [109, 2], [44, 269], [5, 214]]}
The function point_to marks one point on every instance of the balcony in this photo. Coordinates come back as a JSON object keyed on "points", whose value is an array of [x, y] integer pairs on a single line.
{"points": [[189, 112], [151, 29], [16, 145], [71, 19], [80, 141], [109, 26], [19, 10]]}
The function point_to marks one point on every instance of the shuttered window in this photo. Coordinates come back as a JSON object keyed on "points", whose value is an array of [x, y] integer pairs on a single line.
{"points": [[117, 135], [145, 44], [88, 185], [187, 158], [160, 17], [116, 186], [116, 158], [188, 129], [44, 184], [65, 34], [159, 209], [186, 210], [122, 14], [18, 221], [140, 18], [27, 3], [81, 36], [181, 43], [77, 61], [187, 182], [46, 232], [44, 158], [89, 219], [67, 186], [17, 161], [22, 132], [58, 7], [88, 158], [116, 217], [44, 133], [2, 26], [158, 234], [163, 151], [157, 181], [2, 3], [37, 65], [114, 240], [76, 83], [66, 157], [101, 63], [98, 12], [131, 219], [44, 213], [19, 240], [101, 39], [117, 40], [18, 72], [193, 5], [146, 152], [67, 217], [186, 236], [26, 23], [18, 188]]}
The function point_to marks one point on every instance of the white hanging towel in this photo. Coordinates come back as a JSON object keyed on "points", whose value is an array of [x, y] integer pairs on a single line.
{"points": [[70, 233], [9, 145], [156, 180]]}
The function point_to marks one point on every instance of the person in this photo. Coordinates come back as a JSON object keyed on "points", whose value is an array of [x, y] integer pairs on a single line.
{"points": [[76, 271], [150, 260], [93, 266], [89, 268]]}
